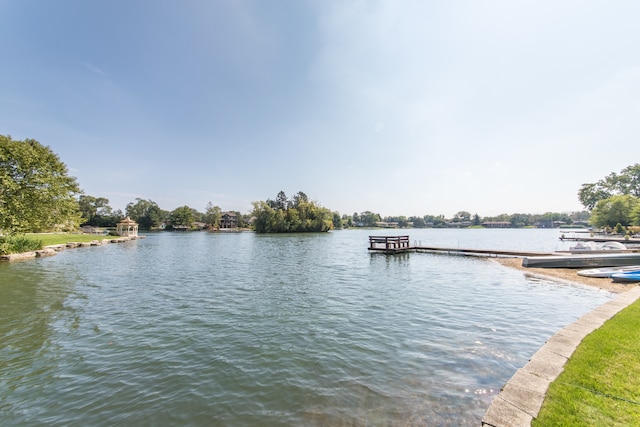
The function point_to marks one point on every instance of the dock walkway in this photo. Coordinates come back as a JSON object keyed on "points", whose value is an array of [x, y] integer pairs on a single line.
{"points": [[399, 244]]}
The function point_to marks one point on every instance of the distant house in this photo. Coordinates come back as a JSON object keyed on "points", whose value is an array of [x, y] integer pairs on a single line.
{"points": [[549, 223], [459, 224], [229, 220], [497, 224], [384, 224]]}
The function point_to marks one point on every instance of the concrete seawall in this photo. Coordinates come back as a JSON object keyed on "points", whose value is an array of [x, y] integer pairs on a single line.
{"points": [[520, 400]]}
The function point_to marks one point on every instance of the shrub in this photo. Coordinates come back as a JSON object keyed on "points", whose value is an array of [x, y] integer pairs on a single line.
{"points": [[18, 244]]}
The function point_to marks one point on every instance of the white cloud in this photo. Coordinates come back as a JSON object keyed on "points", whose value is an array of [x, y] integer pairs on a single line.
{"points": [[94, 69]]}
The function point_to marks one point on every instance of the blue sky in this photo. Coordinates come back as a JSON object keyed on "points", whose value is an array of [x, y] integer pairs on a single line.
{"points": [[398, 107]]}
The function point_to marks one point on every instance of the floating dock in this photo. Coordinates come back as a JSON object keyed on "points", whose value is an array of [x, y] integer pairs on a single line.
{"points": [[391, 245]]}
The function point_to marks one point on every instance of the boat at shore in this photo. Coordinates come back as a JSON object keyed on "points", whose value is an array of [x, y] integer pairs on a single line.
{"points": [[601, 238], [597, 246], [607, 271], [582, 260], [628, 277]]}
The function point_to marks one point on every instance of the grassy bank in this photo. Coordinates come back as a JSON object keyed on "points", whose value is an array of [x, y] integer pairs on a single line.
{"points": [[600, 383], [62, 238]]}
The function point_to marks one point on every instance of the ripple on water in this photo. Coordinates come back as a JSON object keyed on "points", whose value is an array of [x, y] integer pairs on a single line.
{"points": [[242, 329]]}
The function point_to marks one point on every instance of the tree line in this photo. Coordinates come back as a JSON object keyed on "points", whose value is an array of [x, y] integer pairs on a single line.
{"points": [[96, 212], [298, 214], [464, 219], [37, 194]]}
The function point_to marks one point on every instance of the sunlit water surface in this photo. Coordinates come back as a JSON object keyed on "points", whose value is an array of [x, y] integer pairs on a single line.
{"points": [[241, 329]]}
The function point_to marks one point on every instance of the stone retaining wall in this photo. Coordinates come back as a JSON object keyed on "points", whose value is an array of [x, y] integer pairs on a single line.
{"points": [[54, 249], [520, 400]]}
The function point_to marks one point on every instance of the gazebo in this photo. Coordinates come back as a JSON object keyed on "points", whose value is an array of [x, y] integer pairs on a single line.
{"points": [[127, 227]]}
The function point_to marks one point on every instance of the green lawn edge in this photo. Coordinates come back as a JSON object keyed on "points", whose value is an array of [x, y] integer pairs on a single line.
{"points": [[49, 239], [600, 384], [24, 243]]}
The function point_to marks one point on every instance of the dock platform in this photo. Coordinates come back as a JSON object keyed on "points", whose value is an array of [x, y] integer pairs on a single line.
{"points": [[389, 244]]}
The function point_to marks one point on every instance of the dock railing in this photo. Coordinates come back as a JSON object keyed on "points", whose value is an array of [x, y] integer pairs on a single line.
{"points": [[388, 242]]}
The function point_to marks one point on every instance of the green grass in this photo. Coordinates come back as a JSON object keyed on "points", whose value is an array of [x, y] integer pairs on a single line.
{"points": [[62, 238], [600, 385], [35, 241]]}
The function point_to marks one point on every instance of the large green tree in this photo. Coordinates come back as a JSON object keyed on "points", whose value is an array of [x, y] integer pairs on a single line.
{"points": [[635, 215], [212, 215], [627, 182], [97, 212], [618, 209], [182, 216], [462, 216], [264, 217], [36, 191], [146, 213], [369, 219]]}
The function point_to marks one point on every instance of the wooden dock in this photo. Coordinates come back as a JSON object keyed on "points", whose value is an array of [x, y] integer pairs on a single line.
{"points": [[391, 245]]}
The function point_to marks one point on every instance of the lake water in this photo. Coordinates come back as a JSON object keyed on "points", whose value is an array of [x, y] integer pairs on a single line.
{"points": [[203, 329]]}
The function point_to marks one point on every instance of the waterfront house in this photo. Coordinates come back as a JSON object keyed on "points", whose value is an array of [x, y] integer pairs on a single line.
{"points": [[229, 220], [496, 224]]}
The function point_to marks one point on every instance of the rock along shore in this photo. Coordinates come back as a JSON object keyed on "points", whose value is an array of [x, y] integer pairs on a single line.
{"points": [[54, 249]]}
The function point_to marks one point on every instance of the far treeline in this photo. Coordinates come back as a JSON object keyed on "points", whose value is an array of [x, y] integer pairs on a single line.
{"points": [[37, 194]]}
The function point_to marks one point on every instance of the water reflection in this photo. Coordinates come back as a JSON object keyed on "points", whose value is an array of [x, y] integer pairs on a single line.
{"points": [[30, 300], [214, 329]]}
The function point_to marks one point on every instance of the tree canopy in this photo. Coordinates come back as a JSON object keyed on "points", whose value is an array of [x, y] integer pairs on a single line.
{"points": [[97, 212], [627, 182], [615, 199], [290, 216], [183, 216], [146, 213], [212, 215], [36, 192], [619, 209]]}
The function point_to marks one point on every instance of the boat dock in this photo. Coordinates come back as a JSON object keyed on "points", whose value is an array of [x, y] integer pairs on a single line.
{"points": [[391, 245]]}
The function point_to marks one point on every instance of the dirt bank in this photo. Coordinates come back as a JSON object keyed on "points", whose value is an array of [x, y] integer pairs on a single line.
{"points": [[566, 274]]}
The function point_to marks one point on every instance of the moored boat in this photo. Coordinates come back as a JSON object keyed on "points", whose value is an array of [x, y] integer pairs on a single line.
{"points": [[607, 271], [628, 277], [597, 246]]}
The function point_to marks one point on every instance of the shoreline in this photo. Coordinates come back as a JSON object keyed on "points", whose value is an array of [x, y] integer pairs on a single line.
{"points": [[566, 274], [522, 396], [51, 250]]}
